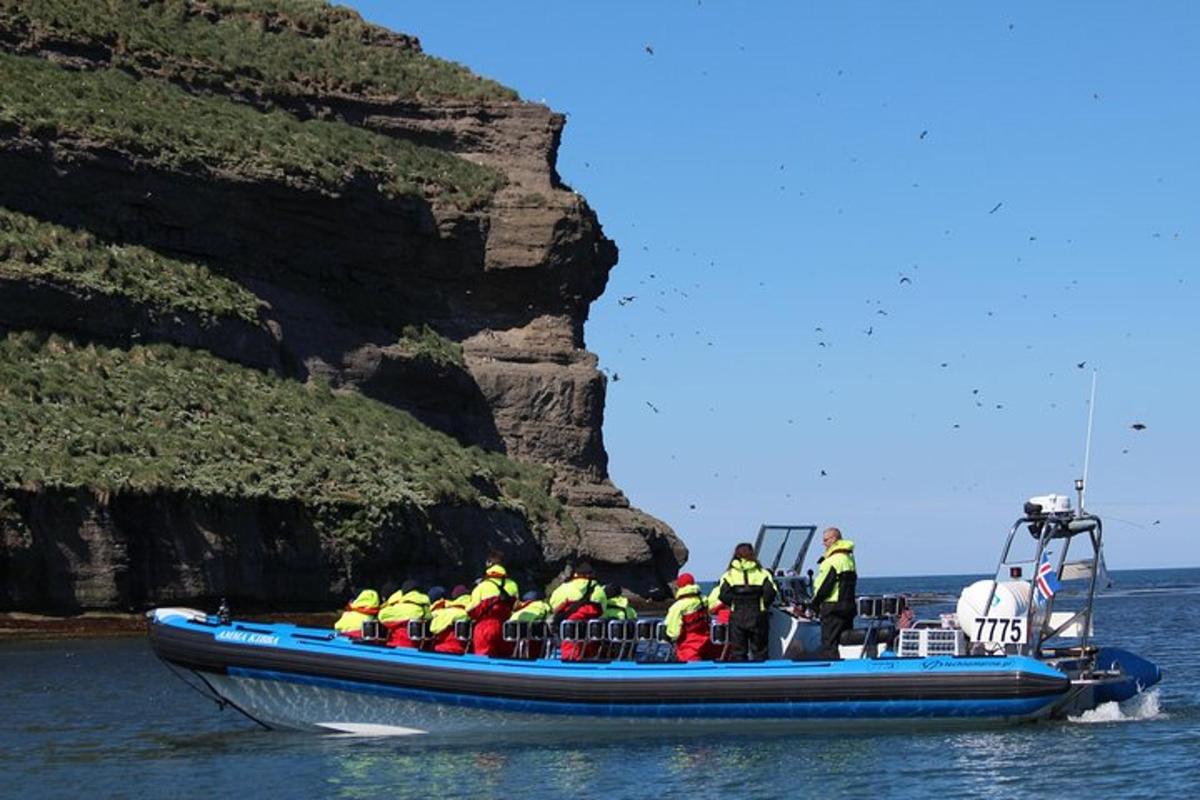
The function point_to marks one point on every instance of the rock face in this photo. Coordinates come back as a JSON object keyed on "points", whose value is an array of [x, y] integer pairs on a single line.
{"points": [[342, 268]]}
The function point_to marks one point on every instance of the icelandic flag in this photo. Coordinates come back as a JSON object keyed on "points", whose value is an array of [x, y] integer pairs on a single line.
{"points": [[1047, 581]]}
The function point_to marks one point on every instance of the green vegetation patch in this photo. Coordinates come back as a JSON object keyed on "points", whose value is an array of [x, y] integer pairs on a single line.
{"points": [[424, 342], [31, 249], [160, 417], [280, 46], [171, 128]]}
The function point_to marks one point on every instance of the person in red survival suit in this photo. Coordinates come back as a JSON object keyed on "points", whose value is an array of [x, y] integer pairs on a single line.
{"points": [[491, 605], [443, 615], [688, 621], [580, 598]]}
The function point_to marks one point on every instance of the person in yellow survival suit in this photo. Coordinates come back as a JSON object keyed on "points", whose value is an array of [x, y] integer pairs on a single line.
{"points": [[532, 608], [688, 621], [617, 605], [444, 614], [580, 598], [749, 590], [408, 604], [362, 608], [836, 583], [491, 604]]}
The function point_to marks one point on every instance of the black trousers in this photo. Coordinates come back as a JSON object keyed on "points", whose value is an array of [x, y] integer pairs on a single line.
{"points": [[835, 620], [748, 639]]}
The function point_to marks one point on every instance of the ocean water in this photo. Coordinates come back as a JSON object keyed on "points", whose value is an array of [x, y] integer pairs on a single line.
{"points": [[104, 718]]}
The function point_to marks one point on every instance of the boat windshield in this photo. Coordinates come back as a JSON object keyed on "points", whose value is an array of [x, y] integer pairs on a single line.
{"points": [[783, 546]]}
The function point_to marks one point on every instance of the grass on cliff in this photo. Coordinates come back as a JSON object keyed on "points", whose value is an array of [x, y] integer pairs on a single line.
{"points": [[284, 46], [168, 127], [424, 342], [159, 417], [31, 250]]}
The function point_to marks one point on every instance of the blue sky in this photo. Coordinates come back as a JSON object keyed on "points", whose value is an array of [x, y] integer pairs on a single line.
{"points": [[1031, 171]]}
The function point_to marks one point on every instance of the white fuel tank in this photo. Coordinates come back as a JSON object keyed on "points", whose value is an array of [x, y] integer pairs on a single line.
{"points": [[1011, 599]]}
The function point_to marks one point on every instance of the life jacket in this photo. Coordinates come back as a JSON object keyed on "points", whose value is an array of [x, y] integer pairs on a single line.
{"points": [[404, 606], [619, 608], [579, 598], [533, 611], [688, 614], [450, 612], [494, 596], [838, 559], [747, 585], [359, 610]]}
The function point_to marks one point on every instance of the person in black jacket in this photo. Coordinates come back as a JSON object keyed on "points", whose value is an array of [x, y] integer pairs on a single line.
{"points": [[748, 589]]}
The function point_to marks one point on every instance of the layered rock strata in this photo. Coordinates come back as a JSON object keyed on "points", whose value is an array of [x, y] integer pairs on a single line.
{"points": [[343, 267]]}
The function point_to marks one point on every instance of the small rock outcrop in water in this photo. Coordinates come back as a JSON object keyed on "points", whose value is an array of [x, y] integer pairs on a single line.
{"points": [[287, 306]]}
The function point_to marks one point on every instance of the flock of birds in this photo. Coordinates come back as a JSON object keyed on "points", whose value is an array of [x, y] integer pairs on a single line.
{"points": [[906, 280]]}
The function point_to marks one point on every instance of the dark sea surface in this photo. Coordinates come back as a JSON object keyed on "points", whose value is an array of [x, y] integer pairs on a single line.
{"points": [[104, 718]]}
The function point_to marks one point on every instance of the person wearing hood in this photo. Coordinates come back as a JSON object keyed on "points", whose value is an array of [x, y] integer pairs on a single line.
{"points": [[359, 610], [748, 589], [836, 583], [532, 608], [688, 621], [580, 598], [443, 615], [402, 607], [617, 604], [491, 604]]}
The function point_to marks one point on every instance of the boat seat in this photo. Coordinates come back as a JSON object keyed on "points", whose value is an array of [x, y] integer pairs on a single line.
{"points": [[418, 630], [515, 631], [622, 638]]}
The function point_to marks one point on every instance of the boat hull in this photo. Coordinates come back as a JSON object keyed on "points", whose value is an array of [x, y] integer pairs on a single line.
{"points": [[288, 677]]}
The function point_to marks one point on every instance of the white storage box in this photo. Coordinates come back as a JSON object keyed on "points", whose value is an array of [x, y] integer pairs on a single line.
{"points": [[921, 642]]}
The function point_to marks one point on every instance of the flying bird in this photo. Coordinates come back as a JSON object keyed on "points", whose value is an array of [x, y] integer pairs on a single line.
{"points": [[650, 49], [905, 279], [1081, 365], [824, 473], [1138, 426], [652, 406], [996, 208], [923, 134], [626, 300]]}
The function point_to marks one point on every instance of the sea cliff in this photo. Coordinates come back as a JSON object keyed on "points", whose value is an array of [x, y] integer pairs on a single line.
{"points": [[287, 306]]}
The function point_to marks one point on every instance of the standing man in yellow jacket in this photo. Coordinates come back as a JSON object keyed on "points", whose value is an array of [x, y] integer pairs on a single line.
{"points": [[833, 597], [749, 590]]}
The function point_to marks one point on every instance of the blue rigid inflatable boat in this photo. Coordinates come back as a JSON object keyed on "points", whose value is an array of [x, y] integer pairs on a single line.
{"points": [[1009, 654], [291, 677]]}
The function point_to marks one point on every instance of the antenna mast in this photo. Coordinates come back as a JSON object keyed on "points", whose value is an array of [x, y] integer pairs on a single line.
{"points": [[1087, 450]]}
